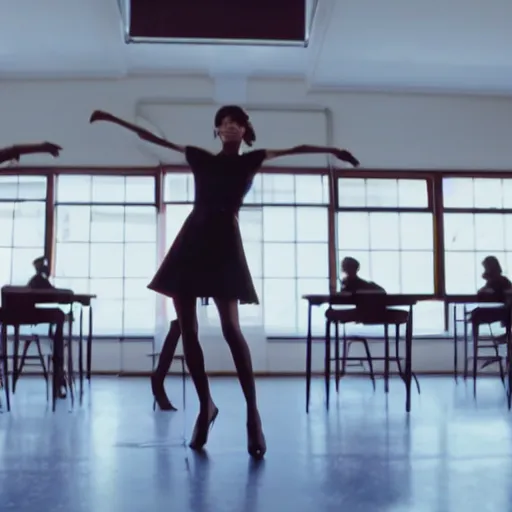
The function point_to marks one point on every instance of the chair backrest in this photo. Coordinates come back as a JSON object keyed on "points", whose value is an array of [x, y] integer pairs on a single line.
{"points": [[24, 296], [13, 298], [371, 300], [375, 307]]}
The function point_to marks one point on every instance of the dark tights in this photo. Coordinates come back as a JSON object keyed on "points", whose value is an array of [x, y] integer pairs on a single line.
{"points": [[228, 311]]}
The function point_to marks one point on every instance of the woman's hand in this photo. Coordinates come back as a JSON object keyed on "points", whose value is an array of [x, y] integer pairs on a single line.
{"points": [[100, 115], [346, 156], [49, 147]]}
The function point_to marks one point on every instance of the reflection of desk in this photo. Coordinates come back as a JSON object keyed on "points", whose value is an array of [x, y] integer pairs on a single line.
{"points": [[19, 299], [478, 299], [365, 299]]}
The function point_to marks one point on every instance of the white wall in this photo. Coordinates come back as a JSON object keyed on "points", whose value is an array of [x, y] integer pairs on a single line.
{"points": [[383, 130]]}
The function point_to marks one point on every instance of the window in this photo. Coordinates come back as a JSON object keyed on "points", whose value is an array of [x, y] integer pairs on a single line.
{"points": [[106, 243], [477, 223], [295, 262], [272, 188], [108, 239], [284, 230], [22, 226], [387, 225]]}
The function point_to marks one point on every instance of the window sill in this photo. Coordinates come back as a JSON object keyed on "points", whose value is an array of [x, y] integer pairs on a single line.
{"points": [[442, 336]]}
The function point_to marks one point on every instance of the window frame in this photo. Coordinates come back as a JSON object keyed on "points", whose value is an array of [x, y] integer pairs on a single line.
{"points": [[434, 178], [368, 174], [53, 204], [327, 206], [444, 210], [42, 201]]}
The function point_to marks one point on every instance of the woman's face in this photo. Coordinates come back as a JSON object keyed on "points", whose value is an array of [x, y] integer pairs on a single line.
{"points": [[230, 131]]}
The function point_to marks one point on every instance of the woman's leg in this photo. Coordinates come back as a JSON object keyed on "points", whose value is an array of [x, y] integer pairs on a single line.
{"points": [[228, 312], [186, 311], [162, 368]]}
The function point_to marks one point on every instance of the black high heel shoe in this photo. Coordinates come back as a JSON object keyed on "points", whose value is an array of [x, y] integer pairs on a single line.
{"points": [[157, 387], [256, 443], [201, 430]]}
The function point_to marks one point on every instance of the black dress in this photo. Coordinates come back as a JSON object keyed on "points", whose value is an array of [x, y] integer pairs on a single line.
{"points": [[207, 259]]}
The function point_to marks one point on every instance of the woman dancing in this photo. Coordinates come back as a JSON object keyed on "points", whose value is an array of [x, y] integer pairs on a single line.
{"points": [[14, 152], [207, 258]]}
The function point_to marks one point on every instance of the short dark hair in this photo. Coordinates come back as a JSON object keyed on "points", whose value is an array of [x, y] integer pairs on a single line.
{"points": [[492, 263], [351, 262], [42, 260], [239, 116]]}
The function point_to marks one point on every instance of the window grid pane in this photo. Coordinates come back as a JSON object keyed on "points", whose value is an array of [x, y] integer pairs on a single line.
{"points": [[270, 188], [477, 193], [127, 235], [382, 193], [22, 226], [468, 239], [284, 245], [391, 248], [22, 188], [91, 189], [110, 251]]}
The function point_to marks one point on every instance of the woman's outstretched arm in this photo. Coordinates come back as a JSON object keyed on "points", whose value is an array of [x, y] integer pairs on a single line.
{"points": [[8, 154], [341, 154], [14, 152], [100, 115]]}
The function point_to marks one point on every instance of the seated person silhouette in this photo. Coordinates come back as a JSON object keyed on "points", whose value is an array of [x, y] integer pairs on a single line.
{"points": [[53, 316], [496, 284], [372, 310], [352, 282], [41, 279]]}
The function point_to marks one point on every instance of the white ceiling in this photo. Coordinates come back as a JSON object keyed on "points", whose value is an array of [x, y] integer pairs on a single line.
{"points": [[372, 44]]}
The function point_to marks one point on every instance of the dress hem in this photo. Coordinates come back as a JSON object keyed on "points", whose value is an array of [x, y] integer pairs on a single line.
{"points": [[172, 295]]}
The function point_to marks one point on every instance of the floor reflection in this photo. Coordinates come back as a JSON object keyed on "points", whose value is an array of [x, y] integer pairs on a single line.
{"points": [[365, 454]]}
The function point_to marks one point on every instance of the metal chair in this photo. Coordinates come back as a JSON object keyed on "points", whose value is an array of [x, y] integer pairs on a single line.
{"points": [[372, 311]]}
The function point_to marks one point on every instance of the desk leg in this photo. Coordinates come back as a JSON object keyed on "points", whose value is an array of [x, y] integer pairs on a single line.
{"points": [[81, 353], [466, 343], [5, 364], [71, 371], [386, 358], [327, 364], [408, 360], [58, 367], [15, 358], [89, 345], [309, 342], [455, 344], [509, 357]]}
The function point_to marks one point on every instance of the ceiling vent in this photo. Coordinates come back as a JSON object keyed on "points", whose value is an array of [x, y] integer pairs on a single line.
{"points": [[228, 22]]}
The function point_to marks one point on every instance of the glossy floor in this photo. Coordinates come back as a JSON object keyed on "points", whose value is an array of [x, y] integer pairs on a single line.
{"points": [[115, 454]]}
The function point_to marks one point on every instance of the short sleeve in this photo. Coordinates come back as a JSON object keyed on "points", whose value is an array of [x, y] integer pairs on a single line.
{"points": [[197, 158], [254, 160]]}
